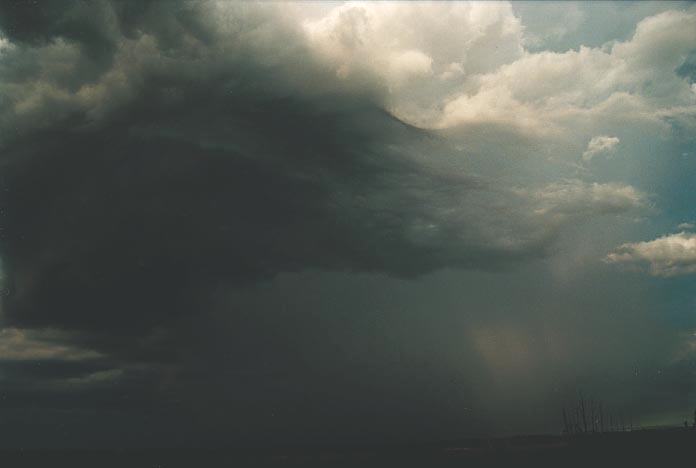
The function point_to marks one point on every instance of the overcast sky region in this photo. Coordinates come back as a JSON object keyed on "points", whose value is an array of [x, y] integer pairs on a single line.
{"points": [[273, 223]]}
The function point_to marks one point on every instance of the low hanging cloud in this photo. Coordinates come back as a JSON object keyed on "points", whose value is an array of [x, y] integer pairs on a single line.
{"points": [[670, 255], [600, 145]]}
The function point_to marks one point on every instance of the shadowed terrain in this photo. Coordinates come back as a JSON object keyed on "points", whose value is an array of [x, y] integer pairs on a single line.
{"points": [[637, 448]]}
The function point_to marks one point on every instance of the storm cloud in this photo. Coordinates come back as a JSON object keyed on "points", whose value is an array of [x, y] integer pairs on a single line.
{"points": [[162, 163], [205, 150]]}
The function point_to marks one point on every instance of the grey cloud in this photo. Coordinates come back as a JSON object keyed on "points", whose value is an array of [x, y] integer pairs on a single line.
{"points": [[577, 199]]}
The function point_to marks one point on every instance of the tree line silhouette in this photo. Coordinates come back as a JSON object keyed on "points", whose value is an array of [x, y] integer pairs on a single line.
{"points": [[589, 416]]}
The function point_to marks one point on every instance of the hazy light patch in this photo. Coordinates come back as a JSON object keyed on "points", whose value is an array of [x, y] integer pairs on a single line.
{"points": [[671, 418], [25, 345], [506, 351], [5, 44], [96, 378], [687, 348]]}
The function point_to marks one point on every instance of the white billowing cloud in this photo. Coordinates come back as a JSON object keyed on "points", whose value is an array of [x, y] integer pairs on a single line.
{"points": [[406, 44], [497, 106], [686, 226], [598, 145], [659, 45], [670, 255], [409, 64], [545, 91], [479, 36]]}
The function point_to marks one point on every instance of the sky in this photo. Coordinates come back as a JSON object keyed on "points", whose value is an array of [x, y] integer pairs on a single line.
{"points": [[238, 223]]}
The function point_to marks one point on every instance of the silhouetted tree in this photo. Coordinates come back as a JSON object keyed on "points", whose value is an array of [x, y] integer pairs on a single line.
{"points": [[575, 418], [566, 426], [584, 415]]}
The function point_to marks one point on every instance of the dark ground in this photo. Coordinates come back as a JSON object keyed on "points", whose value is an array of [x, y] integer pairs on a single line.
{"points": [[666, 447]]}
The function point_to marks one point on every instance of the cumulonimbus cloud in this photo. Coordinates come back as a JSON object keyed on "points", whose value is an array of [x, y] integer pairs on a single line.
{"points": [[153, 152], [195, 151]]}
